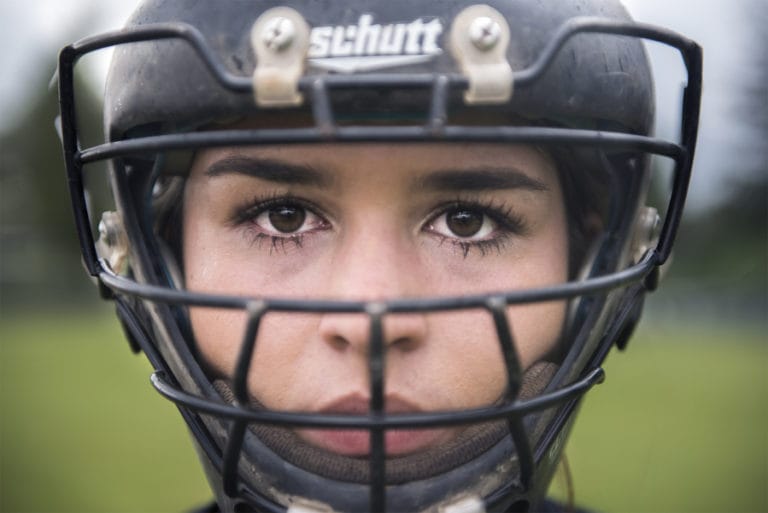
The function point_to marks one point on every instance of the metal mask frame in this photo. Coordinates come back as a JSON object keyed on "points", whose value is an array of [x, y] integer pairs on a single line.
{"points": [[316, 89]]}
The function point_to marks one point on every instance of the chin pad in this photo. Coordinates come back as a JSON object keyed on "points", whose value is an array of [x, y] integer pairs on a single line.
{"points": [[469, 444]]}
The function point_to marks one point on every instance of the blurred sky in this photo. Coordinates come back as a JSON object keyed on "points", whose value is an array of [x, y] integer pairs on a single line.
{"points": [[31, 31]]}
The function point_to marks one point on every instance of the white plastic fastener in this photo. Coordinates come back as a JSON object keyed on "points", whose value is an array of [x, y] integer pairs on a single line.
{"points": [[479, 40], [280, 39]]}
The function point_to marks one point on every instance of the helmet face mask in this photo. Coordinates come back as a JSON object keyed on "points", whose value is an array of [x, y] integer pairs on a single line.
{"points": [[377, 253]]}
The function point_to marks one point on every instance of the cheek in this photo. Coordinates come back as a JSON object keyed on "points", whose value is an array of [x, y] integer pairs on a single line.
{"points": [[462, 365], [468, 354], [286, 369], [468, 359], [218, 335], [228, 263], [289, 368], [536, 329]]}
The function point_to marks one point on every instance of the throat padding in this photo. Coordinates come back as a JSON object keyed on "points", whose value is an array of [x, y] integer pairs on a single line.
{"points": [[469, 444]]}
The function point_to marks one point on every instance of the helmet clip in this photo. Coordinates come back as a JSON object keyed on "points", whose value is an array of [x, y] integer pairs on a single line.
{"points": [[280, 39], [479, 40]]}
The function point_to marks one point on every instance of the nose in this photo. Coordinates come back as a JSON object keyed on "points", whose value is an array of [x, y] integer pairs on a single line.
{"points": [[404, 332], [375, 265]]}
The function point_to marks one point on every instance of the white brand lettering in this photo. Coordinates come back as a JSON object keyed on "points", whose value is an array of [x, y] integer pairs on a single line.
{"points": [[369, 39]]}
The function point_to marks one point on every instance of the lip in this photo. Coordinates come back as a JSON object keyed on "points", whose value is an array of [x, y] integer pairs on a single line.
{"points": [[357, 442]]}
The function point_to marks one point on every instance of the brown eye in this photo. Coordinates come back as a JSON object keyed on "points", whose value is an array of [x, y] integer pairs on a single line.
{"points": [[464, 223], [287, 218]]}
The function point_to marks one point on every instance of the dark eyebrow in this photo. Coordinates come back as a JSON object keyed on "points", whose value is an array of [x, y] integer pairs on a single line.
{"points": [[269, 169], [481, 179]]}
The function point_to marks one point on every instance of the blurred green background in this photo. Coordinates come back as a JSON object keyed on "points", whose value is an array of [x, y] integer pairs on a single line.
{"points": [[681, 424]]}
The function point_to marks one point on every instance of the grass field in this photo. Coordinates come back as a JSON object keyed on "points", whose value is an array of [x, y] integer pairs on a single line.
{"points": [[681, 424]]}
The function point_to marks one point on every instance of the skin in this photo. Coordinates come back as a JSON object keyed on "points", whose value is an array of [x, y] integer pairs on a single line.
{"points": [[374, 222]]}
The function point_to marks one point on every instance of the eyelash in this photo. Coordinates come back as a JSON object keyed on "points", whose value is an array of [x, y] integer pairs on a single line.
{"points": [[246, 215], [508, 223]]}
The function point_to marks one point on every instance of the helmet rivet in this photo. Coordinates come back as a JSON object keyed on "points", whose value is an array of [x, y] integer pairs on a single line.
{"points": [[484, 33], [279, 33]]}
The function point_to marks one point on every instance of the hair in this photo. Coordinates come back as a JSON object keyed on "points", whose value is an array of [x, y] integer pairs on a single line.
{"points": [[585, 186]]}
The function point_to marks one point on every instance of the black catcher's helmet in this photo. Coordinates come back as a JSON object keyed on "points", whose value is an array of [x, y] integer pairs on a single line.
{"points": [[570, 78]]}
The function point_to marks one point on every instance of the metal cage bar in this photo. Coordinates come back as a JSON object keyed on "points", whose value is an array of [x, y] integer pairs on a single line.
{"points": [[497, 307], [400, 421], [236, 437], [325, 125], [376, 363], [568, 290], [325, 128]]}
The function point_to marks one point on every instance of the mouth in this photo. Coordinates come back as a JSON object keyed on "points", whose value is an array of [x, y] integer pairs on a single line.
{"points": [[357, 442]]}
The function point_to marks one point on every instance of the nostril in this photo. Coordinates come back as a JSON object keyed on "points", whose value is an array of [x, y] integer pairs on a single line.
{"points": [[342, 332], [405, 344], [338, 343]]}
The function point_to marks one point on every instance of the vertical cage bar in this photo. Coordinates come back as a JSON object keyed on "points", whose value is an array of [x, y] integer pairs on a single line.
{"points": [[497, 307], [689, 129], [438, 111], [377, 499], [321, 107], [71, 146], [231, 457], [255, 312]]}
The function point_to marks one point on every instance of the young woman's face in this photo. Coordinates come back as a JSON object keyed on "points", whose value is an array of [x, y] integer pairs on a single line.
{"points": [[371, 222]]}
